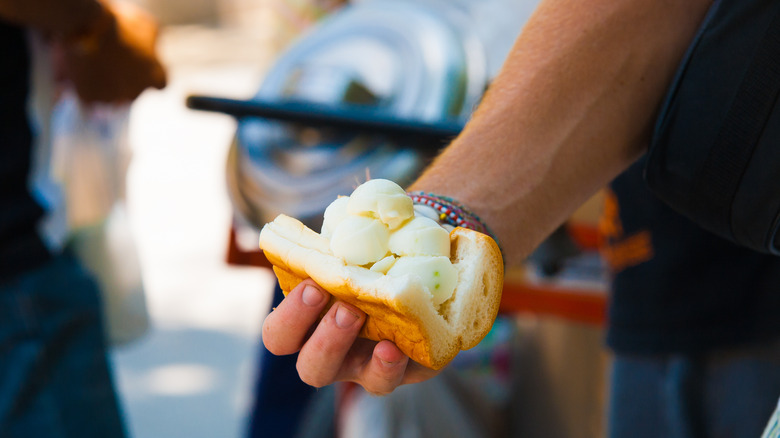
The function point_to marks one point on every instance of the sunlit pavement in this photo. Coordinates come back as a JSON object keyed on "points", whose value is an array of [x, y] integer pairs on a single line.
{"points": [[191, 375]]}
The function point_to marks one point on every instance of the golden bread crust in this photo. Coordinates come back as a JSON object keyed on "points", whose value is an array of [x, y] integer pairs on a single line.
{"points": [[428, 337], [382, 322]]}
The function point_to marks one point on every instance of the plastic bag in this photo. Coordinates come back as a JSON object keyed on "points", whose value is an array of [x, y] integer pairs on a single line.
{"points": [[773, 426], [90, 159]]}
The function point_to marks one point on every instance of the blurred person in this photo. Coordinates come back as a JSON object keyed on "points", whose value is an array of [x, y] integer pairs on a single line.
{"points": [[566, 58], [55, 379], [693, 323], [573, 107]]}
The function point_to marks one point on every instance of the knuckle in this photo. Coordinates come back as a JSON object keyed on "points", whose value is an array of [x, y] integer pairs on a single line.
{"points": [[273, 343], [311, 376], [317, 344], [381, 384]]}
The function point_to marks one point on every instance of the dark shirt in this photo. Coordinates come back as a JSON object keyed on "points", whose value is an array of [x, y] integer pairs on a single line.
{"points": [[678, 288], [20, 245]]}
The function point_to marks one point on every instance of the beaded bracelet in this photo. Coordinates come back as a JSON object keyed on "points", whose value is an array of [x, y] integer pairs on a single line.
{"points": [[452, 212]]}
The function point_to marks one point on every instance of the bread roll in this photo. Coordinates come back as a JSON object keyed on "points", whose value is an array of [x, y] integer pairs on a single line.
{"points": [[398, 308]]}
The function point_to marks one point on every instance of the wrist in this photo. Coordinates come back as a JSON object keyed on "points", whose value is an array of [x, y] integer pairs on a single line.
{"points": [[452, 212]]}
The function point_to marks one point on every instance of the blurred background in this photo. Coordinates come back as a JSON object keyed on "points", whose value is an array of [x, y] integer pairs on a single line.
{"points": [[191, 374]]}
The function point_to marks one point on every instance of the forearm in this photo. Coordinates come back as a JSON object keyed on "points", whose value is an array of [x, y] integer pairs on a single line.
{"points": [[573, 107], [59, 17]]}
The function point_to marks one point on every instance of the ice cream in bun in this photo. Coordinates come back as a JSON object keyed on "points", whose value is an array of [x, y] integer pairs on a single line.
{"points": [[431, 291]]}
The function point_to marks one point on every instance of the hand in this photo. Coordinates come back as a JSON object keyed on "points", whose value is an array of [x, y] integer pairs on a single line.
{"points": [[120, 62], [330, 349]]}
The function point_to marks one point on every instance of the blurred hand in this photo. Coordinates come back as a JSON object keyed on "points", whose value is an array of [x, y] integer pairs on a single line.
{"points": [[122, 60], [330, 349]]}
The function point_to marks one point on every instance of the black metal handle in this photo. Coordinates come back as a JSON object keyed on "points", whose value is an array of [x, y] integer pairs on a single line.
{"points": [[348, 117]]}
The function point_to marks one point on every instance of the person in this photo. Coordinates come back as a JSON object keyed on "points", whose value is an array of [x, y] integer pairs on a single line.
{"points": [[693, 322], [573, 107], [55, 378]]}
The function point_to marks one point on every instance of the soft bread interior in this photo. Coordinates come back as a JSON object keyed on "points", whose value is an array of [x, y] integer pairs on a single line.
{"points": [[399, 309]]}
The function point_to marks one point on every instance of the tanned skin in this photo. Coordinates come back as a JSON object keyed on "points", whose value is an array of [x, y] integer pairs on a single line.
{"points": [[572, 107], [106, 49]]}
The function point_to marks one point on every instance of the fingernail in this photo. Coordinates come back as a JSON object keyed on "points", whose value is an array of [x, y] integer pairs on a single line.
{"points": [[312, 296], [344, 317]]}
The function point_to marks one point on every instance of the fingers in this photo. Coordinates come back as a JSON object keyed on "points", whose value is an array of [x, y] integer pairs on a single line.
{"points": [[325, 353], [285, 329], [386, 369], [390, 368], [332, 351], [416, 373]]}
